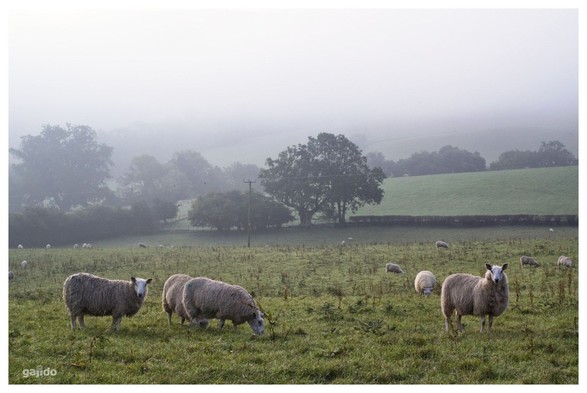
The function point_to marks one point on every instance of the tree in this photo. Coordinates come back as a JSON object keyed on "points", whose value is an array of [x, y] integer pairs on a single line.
{"points": [[329, 171], [552, 153], [63, 167], [227, 210], [164, 210]]}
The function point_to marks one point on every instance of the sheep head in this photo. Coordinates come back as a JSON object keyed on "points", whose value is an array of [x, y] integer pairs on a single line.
{"points": [[495, 272]]}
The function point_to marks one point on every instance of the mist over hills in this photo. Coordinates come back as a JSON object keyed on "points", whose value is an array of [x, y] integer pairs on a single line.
{"points": [[223, 145]]}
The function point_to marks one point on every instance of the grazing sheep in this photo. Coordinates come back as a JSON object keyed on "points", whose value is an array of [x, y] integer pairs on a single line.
{"points": [[20, 247], [10, 275], [425, 282], [564, 261], [206, 298], [142, 245], [24, 264], [172, 298], [76, 245], [393, 268], [86, 294], [48, 246], [441, 244], [472, 295], [528, 261]]}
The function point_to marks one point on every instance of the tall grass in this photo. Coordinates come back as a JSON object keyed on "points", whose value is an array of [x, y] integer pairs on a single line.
{"points": [[333, 316]]}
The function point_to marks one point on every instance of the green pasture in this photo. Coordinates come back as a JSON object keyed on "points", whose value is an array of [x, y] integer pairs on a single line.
{"points": [[334, 315], [522, 191]]}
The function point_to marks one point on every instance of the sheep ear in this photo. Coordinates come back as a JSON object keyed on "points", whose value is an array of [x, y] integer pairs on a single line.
{"points": [[134, 280], [505, 266], [488, 266], [149, 280]]}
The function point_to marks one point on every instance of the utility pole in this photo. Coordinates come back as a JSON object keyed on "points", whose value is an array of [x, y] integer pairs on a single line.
{"points": [[249, 210]]}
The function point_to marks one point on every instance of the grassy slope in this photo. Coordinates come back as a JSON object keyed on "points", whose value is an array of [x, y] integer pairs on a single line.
{"points": [[524, 191]]}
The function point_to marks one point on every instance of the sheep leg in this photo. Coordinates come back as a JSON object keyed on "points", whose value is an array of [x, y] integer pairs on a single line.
{"points": [[447, 323], [482, 323], [490, 323], [80, 319], [459, 325], [72, 322], [116, 323], [169, 318]]}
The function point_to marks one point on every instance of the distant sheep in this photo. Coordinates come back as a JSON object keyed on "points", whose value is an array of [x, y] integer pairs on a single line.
{"points": [[425, 282], [142, 245], [48, 246], [393, 268], [528, 261], [441, 244], [86, 294], [564, 261], [24, 264], [20, 247], [10, 275], [172, 298], [472, 295], [206, 298]]}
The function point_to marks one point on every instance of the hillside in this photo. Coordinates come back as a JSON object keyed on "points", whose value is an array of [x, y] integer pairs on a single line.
{"points": [[523, 191]]}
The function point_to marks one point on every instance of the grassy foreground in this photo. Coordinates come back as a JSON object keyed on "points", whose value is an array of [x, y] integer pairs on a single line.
{"points": [[334, 316]]}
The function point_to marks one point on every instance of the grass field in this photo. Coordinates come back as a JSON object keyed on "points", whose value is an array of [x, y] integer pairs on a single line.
{"points": [[523, 191], [334, 316]]}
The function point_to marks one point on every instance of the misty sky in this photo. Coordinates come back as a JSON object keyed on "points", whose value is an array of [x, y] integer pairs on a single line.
{"points": [[266, 79]]}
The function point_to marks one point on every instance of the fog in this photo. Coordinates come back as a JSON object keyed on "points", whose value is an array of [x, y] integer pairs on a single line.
{"points": [[243, 84]]}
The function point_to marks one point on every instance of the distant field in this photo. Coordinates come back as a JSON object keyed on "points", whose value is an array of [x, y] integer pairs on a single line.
{"points": [[523, 191]]}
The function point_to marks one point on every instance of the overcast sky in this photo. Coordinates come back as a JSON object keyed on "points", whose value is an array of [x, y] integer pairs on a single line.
{"points": [[277, 76]]}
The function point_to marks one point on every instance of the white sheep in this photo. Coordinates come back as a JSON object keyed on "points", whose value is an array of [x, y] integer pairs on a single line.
{"points": [[425, 282], [76, 245], [48, 246], [564, 261], [24, 264], [206, 298], [528, 261], [393, 268], [471, 295], [172, 298], [20, 247], [85, 245], [10, 275], [441, 244], [142, 245], [86, 294]]}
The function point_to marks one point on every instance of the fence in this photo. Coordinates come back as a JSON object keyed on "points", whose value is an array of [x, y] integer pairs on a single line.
{"points": [[472, 221]]}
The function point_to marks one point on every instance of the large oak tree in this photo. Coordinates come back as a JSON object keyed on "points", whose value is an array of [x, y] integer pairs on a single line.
{"points": [[328, 174]]}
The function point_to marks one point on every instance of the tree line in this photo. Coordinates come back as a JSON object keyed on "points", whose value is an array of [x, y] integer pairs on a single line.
{"points": [[61, 179], [450, 159]]}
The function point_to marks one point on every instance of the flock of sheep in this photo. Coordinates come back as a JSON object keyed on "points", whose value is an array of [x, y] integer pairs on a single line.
{"points": [[198, 299]]}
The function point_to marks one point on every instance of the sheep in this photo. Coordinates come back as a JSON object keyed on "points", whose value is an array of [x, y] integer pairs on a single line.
{"points": [[86, 294], [85, 245], [529, 261], [24, 264], [425, 282], [393, 268], [472, 295], [142, 245], [564, 261], [48, 246], [76, 245], [20, 247], [10, 275], [172, 298], [441, 244], [206, 298]]}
